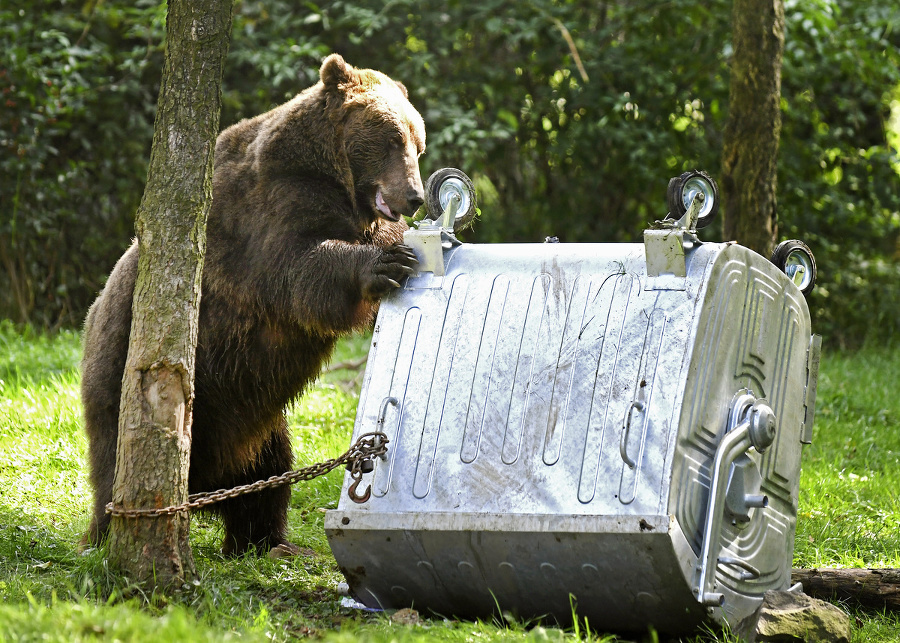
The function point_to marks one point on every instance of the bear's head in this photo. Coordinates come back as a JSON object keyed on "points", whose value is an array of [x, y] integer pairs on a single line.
{"points": [[383, 137]]}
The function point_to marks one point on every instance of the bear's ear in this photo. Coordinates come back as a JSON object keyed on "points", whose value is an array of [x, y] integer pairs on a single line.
{"points": [[402, 88], [335, 72]]}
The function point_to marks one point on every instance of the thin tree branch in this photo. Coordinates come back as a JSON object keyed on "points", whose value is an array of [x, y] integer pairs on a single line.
{"points": [[572, 48]]}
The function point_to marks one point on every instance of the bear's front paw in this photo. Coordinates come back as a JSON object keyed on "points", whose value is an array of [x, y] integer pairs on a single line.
{"points": [[393, 264]]}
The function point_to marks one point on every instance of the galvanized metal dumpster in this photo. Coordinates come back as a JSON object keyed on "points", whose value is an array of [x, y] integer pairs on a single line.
{"points": [[614, 427]]}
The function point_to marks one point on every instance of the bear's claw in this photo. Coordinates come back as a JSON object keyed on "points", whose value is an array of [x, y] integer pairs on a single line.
{"points": [[393, 265]]}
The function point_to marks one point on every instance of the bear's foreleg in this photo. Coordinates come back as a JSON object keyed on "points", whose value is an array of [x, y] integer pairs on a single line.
{"points": [[337, 285]]}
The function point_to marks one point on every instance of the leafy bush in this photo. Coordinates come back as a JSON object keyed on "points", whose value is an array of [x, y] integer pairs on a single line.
{"points": [[838, 176], [569, 116], [78, 87]]}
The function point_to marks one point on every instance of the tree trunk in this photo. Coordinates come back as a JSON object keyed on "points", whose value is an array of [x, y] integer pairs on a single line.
{"points": [[157, 387], [750, 147], [878, 588]]}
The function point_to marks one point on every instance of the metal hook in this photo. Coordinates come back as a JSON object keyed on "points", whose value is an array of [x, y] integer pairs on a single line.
{"points": [[357, 478], [365, 465]]}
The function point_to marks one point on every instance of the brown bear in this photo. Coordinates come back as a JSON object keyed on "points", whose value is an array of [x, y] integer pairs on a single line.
{"points": [[303, 239]]}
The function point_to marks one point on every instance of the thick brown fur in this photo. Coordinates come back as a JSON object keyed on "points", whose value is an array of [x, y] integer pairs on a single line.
{"points": [[303, 239]]}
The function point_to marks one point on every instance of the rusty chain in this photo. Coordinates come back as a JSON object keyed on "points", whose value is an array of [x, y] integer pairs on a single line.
{"points": [[358, 458]]}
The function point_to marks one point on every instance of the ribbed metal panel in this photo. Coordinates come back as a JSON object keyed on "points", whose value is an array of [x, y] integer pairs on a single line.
{"points": [[553, 393]]}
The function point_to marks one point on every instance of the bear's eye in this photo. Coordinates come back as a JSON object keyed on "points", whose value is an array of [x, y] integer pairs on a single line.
{"points": [[396, 141]]}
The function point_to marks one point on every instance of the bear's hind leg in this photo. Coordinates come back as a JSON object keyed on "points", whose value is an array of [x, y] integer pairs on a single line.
{"points": [[103, 469], [259, 520]]}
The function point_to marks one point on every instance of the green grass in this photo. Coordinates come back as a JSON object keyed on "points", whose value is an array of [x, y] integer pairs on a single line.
{"points": [[849, 517], [850, 482], [850, 487]]}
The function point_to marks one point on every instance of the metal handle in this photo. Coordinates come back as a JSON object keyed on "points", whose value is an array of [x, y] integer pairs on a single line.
{"points": [[750, 572], [382, 412], [732, 445], [393, 401], [751, 423], [623, 441]]}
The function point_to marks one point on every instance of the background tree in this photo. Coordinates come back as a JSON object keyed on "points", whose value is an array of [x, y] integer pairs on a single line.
{"points": [[157, 390], [750, 144]]}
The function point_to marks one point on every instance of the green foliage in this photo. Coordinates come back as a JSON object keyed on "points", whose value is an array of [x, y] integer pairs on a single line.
{"points": [[272, 57], [588, 160], [838, 188], [570, 116], [77, 85], [502, 95]]}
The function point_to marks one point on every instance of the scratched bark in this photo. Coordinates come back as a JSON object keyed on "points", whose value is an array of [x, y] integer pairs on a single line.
{"points": [[155, 419], [750, 141]]}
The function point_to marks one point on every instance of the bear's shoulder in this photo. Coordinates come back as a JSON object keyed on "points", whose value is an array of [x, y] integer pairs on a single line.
{"points": [[250, 137]]}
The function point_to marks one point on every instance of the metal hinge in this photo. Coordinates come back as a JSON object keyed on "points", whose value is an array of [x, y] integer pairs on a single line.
{"points": [[664, 248]]}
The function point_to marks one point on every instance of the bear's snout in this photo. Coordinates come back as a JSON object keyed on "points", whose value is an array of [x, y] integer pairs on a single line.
{"points": [[415, 199]]}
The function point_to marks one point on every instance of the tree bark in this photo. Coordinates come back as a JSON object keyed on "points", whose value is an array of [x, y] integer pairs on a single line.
{"points": [[878, 588], [750, 145], [157, 387]]}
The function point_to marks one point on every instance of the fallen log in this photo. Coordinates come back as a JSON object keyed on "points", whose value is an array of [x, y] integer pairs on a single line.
{"points": [[878, 588]]}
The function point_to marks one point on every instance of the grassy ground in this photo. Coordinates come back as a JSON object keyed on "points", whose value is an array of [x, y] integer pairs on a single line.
{"points": [[48, 591]]}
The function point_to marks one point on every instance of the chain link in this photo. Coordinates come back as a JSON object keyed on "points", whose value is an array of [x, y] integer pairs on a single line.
{"points": [[368, 446]]}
